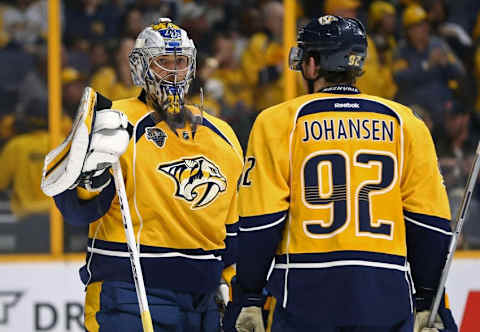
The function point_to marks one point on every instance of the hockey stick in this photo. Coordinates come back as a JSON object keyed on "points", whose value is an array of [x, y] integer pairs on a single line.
{"points": [[461, 215], [132, 249]]}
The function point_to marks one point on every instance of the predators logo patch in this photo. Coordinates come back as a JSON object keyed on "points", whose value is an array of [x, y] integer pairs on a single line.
{"points": [[198, 180]]}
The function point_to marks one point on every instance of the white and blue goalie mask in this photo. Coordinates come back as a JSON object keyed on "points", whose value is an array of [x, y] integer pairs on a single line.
{"points": [[163, 63]]}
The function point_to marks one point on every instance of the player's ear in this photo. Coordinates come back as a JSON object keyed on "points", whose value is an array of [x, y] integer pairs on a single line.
{"points": [[310, 69]]}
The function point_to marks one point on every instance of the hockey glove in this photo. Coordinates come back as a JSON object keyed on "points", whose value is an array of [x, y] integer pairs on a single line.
{"points": [[108, 142], [98, 137], [421, 319], [250, 319], [443, 322]]}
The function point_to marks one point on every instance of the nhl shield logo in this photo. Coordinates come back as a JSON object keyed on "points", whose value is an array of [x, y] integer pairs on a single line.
{"points": [[198, 180], [156, 135]]}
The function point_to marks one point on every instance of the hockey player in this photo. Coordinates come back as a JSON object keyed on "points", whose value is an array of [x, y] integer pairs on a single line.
{"points": [[343, 191], [181, 170]]}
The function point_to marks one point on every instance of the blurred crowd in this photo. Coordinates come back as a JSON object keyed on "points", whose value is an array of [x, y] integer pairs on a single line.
{"points": [[422, 53]]}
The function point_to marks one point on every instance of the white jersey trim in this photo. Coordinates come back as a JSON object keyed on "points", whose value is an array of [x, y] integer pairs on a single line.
{"points": [[251, 229], [340, 263], [418, 223], [151, 255]]}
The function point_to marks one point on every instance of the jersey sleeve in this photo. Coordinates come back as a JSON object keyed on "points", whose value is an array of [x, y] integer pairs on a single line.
{"points": [[231, 242], [426, 212], [264, 201]]}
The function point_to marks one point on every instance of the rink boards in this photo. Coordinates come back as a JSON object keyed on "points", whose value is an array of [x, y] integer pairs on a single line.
{"points": [[47, 295]]}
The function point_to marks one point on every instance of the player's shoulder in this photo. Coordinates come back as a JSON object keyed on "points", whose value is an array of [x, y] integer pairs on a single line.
{"points": [[413, 125], [222, 128], [127, 103], [285, 112], [403, 112], [134, 108]]}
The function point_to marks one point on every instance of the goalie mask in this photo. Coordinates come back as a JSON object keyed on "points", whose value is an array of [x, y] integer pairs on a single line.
{"points": [[163, 63]]}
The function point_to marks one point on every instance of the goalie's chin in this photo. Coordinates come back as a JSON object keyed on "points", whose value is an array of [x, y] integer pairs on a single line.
{"points": [[176, 115]]}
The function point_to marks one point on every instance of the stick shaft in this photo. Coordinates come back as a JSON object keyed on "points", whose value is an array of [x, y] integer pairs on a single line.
{"points": [[132, 249], [460, 219]]}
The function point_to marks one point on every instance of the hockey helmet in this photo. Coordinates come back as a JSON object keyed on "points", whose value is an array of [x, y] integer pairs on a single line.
{"points": [[340, 44], [153, 43]]}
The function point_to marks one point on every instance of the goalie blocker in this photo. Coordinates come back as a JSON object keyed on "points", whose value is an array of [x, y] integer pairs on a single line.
{"points": [[99, 136]]}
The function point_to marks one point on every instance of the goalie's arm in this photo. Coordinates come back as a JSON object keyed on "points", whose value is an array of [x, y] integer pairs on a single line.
{"points": [[77, 173], [78, 211]]}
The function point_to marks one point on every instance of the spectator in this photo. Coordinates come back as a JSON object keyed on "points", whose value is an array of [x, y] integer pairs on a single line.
{"points": [[153, 9], [454, 147], [454, 34], [377, 79], [116, 83], [123, 86], [19, 61], [212, 99], [8, 105], [73, 84], [194, 19], [34, 85], [19, 24], [21, 163], [133, 22], [263, 59], [91, 20], [230, 73], [381, 25], [456, 153], [424, 66], [3, 33]]}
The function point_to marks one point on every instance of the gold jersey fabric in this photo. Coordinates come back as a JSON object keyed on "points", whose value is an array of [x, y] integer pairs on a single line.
{"points": [[182, 192], [334, 177]]}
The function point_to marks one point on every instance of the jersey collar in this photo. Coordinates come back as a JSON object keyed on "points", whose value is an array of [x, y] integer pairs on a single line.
{"points": [[341, 89]]}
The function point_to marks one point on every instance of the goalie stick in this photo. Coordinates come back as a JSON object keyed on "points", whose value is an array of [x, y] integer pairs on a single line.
{"points": [[461, 215], [132, 249]]}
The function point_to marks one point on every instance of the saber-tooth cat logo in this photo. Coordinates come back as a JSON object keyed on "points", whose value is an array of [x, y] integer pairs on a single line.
{"points": [[7, 301], [198, 180]]}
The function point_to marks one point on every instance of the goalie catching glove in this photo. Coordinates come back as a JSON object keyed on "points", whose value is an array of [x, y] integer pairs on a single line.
{"points": [[99, 136]]}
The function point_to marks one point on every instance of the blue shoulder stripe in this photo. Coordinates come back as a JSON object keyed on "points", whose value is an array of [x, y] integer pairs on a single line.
{"points": [[217, 131], [142, 125]]}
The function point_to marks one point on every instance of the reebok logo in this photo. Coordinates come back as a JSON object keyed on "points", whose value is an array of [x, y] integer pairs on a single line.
{"points": [[346, 105]]}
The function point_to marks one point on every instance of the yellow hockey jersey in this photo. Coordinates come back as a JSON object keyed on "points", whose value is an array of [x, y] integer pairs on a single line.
{"points": [[340, 188], [21, 162], [182, 192]]}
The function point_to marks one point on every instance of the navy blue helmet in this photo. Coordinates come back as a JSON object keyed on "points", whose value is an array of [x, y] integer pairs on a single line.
{"points": [[338, 43]]}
